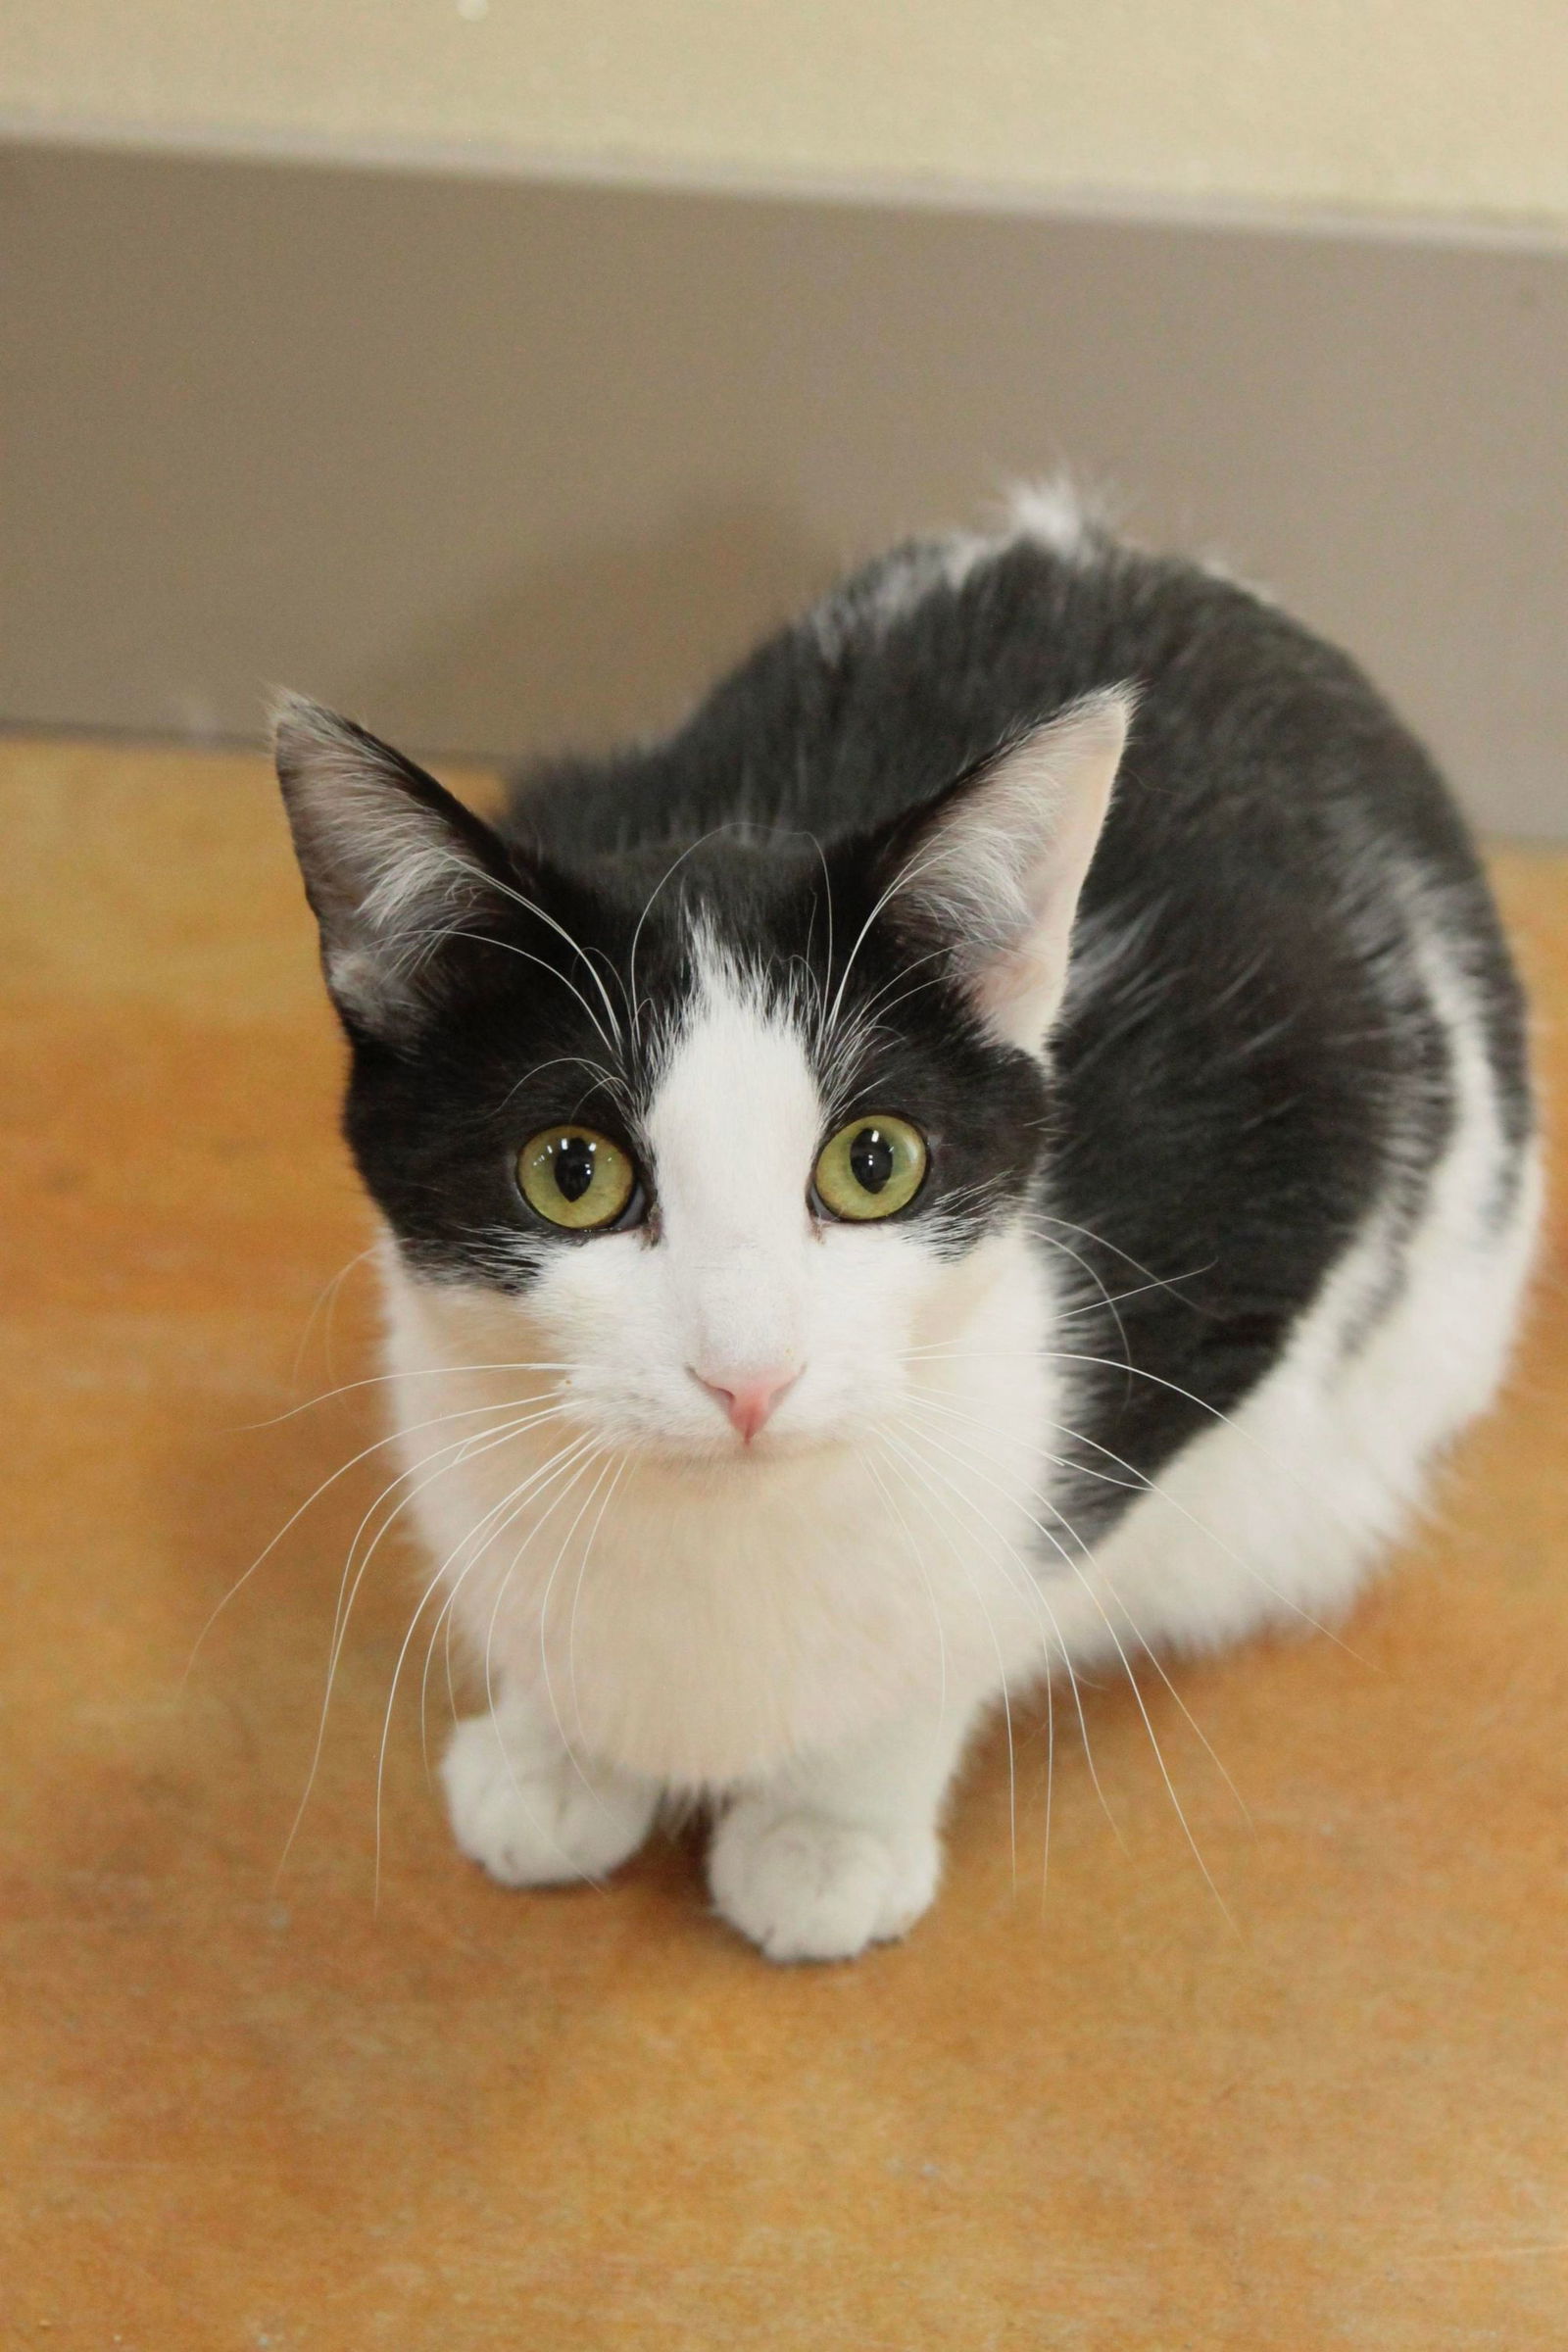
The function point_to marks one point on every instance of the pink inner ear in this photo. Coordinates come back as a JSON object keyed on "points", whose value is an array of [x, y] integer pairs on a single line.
{"points": [[1048, 798], [1008, 980]]}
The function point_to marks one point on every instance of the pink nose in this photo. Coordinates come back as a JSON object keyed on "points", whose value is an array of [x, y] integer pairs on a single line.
{"points": [[749, 1402]]}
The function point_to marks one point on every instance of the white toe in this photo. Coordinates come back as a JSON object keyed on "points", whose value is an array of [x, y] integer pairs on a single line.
{"points": [[535, 1819], [807, 1887]]}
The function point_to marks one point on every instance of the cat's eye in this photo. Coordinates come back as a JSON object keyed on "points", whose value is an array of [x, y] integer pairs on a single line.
{"points": [[575, 1177], [871, 1168]]}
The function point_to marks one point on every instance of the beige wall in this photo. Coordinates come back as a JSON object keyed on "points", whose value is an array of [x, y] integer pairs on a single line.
{"points": [[1450, 109], [499, 465]]}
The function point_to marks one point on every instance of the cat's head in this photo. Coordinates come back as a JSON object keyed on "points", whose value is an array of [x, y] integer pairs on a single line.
{"points": [[725, 1135]]}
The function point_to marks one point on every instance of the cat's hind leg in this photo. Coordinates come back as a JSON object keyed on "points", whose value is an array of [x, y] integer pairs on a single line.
{"points": [[529, 1809]]}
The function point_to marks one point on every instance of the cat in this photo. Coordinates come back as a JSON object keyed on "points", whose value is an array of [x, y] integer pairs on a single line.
{"points": [[1001, 1146]]}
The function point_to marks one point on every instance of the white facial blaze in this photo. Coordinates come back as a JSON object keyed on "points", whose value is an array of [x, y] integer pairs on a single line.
{"points": [[737, 1285], [734, 1126]]}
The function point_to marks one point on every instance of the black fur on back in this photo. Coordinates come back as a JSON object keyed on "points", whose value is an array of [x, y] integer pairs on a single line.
{"points": [[1248, 1060]]}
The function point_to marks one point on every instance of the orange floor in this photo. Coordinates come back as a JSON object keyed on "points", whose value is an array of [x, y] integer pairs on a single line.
{"points": [[243, 2106]]}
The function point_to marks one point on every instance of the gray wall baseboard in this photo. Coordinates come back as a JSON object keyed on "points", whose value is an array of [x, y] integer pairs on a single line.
{"points": [[499, 467]]}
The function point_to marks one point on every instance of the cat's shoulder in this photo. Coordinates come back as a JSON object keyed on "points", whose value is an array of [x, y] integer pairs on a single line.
{"points": [[924, 659]]}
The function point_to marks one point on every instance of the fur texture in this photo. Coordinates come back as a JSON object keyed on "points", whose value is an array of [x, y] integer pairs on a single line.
{"points": [[1228, 1206]]}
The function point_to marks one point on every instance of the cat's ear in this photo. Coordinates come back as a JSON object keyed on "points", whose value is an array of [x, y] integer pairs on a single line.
{"points": [[992, 872], [393, 865]]}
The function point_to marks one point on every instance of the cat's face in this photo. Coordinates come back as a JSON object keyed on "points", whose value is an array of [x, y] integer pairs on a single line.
{"points": [[728, 1145]]}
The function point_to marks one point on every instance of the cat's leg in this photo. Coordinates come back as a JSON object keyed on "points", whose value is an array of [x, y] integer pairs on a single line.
{"points": [[529, 1809], [842, 1850]]}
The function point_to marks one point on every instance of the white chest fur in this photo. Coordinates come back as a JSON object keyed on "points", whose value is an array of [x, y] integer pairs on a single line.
{"points": [[702, 1619]]}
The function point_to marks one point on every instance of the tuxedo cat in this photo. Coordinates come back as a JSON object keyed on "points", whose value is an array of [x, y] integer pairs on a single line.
{"points": [[1001, 1146]]}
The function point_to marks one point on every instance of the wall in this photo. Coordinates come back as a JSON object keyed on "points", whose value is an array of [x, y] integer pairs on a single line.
{"points": [[1382, 107], [497, 465]]}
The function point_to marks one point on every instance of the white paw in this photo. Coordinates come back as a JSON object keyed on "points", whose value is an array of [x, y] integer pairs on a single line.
{"points": [[806, 1888], [531, 1817]]}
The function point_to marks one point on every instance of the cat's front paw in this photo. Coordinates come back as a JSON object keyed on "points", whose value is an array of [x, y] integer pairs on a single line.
{"points": [[533, 1819], [807, 1887]]}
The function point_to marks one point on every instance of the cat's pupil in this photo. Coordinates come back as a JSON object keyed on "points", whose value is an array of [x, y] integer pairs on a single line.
{"points": [[870, 1159], [574, 1167]]}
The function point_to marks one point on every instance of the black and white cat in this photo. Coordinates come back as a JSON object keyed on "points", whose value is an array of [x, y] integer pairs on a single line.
{"points": [[875, 1217]]}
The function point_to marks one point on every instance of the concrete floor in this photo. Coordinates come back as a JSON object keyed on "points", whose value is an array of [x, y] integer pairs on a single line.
{"points": [[246, 2105]]}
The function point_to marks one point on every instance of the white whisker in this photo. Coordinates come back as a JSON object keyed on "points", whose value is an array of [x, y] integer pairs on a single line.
{"points": [[509, 947], [1001, 1680], [529, 907], [934, 1479], [575, 1465], [509, 1504], [925, 1576], [604, 1465], [460, 1449], [576, 1592], [327, 1296], [375, 1380], [1139, 1482], [1132, 1679], [393, 1437], [939, 1486]]}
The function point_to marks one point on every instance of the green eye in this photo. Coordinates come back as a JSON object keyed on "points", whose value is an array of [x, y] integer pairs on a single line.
{"points": [[575, 1177], [872, 1168]]}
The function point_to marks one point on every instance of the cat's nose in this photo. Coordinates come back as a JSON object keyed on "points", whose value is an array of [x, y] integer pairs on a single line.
{"points": [[748, 1401]]}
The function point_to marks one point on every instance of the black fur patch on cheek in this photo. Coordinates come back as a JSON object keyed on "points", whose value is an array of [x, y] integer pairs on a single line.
{"points": [[524, 1042], [984, 1108]]}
